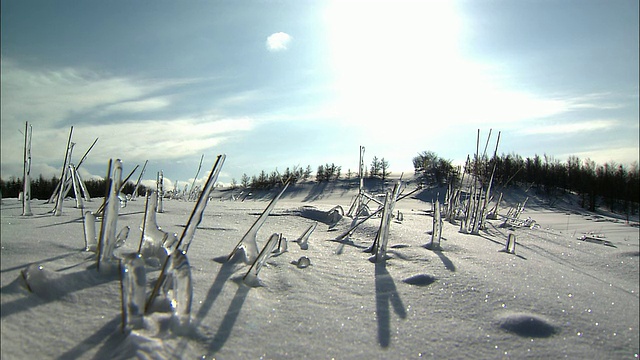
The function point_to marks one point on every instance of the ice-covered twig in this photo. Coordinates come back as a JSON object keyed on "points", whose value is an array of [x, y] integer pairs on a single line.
{"points": [[382, 238], [89, 222], [251, 277], [436, 232], [248, 243], [154, 239], [133, 282], [107, 241], [303, 240], [187, 234], [26, 177], [196, 215]]}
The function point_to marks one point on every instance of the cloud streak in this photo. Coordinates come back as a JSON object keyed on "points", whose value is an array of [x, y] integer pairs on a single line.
{"points": [[571, 128]]}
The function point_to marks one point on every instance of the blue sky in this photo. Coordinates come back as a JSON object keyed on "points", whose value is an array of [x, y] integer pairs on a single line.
{"points": [[275, 84]]}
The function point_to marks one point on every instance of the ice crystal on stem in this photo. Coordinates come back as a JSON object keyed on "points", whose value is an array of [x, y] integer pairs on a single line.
{"points": [[201, 204], [178, 287], [107, 241], [436, 232], [248, 243], [379, 247], [303, 240], [251, 277], [155, 242], [134, 282], [90, 241]]}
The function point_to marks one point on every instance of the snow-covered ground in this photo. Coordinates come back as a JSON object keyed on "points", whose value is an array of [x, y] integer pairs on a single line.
{"points": [[556, 297]]}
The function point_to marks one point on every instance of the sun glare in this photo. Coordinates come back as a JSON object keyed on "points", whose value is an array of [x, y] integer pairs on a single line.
{"points": [[403, 61], [391, 54]]}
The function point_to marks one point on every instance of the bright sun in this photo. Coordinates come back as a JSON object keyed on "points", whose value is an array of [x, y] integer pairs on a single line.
{"points": [[402, 61]]}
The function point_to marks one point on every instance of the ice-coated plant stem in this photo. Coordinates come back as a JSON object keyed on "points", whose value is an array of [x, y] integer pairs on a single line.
{"points": [[189, 231], [382, 238], [251, 277], [110, 218], [57, 210], [26, 176], [303, 240], [89, 222], [196, 215], [248, 242], [181, 295], [160, 191], [133, 287]]}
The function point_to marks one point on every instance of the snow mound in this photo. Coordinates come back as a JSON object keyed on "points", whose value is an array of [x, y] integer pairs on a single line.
{"points": [[527, 325], [51, 285]]}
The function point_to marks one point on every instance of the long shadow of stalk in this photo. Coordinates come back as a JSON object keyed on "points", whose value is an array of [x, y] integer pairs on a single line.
{"points": [[226, 270], [446, 261], [222, 335], [386, 293], [106, 331]]}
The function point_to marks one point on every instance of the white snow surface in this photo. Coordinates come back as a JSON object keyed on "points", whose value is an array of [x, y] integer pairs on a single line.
{"points": [[556, 297]]}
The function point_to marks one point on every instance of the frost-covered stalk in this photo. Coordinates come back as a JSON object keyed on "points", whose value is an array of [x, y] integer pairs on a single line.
{"points": [[248, 243], [510, 246], [160, 191], [493, 213], [382, 238], [334, 215], [57, 211], [303, 240], [26, 176], [76, 186], [354, 226], [107, 242], [89, 222], [177, 287], [153, 238], [193, 193], [196, 215], [355, 209], [360, 181], [436, 232], [251, 277], [134, 286], [174, 283], [283, 245], [134, 195]]}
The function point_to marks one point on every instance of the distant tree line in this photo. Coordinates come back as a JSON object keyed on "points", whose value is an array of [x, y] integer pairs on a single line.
{"points": [[615, 185], [42, 188], [273, 179]]}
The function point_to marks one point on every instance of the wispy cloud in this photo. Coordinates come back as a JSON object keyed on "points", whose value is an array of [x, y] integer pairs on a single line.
{"points": [[570, 128], [50, 99], [278, 41], [136, 106], [53, 95]]}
